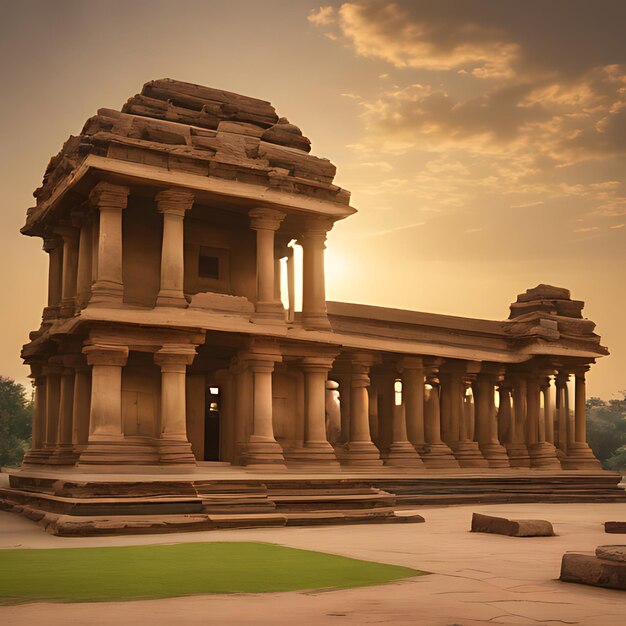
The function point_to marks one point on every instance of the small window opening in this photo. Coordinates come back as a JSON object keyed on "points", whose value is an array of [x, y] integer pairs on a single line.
{"points": [[208, 266]]}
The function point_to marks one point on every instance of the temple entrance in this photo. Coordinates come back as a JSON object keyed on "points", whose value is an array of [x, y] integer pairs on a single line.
{"points": [[212, 425]]}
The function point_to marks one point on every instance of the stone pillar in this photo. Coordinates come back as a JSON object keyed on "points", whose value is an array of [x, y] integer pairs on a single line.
{"points": [[343, 378], [70, 269], [173, 445], [360, 450], [515, 446], [173, 204], [243, 407], [548, 417], [487, 422], [579, 454], [106, 443], [85, 258], [53, 404], [562, 408], [412, 371], [266, 222], [64, 452], [438, 454], [542, 454], [291, 284], [37, 452], [465, 449], [316, 448], [53, 245], [383, 380], [401, 452], [81, 406], [110, 200], [314, 315], [262, 448]]}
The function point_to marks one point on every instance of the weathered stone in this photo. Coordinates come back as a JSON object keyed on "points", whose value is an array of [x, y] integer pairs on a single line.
{"points": [[591, 570], [512, 528], [612, 553], [615, 527]]}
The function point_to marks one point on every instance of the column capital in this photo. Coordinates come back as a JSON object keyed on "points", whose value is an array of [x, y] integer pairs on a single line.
{"points": [[411, 363], [53, 369], [317, 227], [108, 196], [51, 242], [175, 355], [105, 354], [321, 364], [265, 219], [174, 201], [73, 361], [68, 233]]}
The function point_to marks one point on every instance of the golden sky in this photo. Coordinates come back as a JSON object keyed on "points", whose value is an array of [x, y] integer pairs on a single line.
{"points": [[484, 142]]}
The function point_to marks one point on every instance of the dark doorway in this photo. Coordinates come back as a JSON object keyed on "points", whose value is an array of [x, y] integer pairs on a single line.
{"points": [[212, 425]]}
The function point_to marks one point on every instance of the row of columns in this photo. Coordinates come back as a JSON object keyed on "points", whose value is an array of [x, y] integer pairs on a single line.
{"points": [[85, 264], [78, 409]]}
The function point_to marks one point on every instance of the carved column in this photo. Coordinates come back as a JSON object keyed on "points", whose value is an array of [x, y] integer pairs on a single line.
{"points": [[266, 222], [173, 445], [53, 404], [316, 448], [562, 410], [438, 454], [262, 448], [579, 454], [173, 204], [70, 269], [314, 315], [360, 450], [110, 200], [53, 245], [37, 452], [487, 423], [465, 449], [548, 417], [106, 444], [81, 406], [542, 454], [64, 452], [412, 371], [515, 444], [85, 258]]}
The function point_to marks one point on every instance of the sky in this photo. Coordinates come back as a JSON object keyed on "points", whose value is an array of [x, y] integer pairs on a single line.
{"points": [[484, 142]]}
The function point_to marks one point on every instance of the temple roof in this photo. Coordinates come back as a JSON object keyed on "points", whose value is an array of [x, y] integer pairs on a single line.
{"points": [[173, 126]]}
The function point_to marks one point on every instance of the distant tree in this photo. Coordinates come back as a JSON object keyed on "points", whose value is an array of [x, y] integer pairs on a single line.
{"points": [[16, 412], [606, 431]]}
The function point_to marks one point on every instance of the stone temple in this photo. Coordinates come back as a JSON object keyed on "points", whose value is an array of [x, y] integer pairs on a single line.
{"points": [[176, 386]]}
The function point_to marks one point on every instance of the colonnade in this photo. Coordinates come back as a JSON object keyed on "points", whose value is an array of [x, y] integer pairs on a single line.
{"points": [[86, 251]]}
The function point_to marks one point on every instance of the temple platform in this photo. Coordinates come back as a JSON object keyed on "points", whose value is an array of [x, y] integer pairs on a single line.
{"points": [[133, 500]]}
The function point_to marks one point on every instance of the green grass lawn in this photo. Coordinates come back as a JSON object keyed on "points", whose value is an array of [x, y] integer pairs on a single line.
{"points": [[161, 571]]}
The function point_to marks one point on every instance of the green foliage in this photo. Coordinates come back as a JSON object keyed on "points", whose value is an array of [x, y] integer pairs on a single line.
{"points": [[606, 431], [164, 571], [16, 412]]}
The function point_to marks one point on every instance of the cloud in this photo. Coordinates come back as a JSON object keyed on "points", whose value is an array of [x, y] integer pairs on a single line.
{"points": [[323, 16], [393, 230]]}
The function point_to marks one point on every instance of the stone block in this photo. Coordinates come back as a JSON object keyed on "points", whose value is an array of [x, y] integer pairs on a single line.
{"points": [[612, 553], [588, 569], [615, 527], [511, 528]]}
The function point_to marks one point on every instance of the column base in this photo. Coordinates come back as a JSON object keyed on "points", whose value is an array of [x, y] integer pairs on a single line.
{"points": [[439, 456], [315, 321], [361, 453], [262, 451], [50, 313], [38, 456], [580, 456], [402, 454], [173, 299], [518, 454], [268, 312], [106, 292], [495, 454], [175, 452], [318, 453], [543, 455], [68, 309], [468, 454], [64, 454], [119, 451]]}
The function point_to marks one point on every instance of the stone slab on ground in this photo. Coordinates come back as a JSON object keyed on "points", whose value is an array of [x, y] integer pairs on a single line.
{"points": [[511, 527], [612, 553], [615, 527], [588, 569]]}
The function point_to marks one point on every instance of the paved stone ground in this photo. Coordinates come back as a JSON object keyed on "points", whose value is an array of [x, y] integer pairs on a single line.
{"points": [[477, 578]]}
